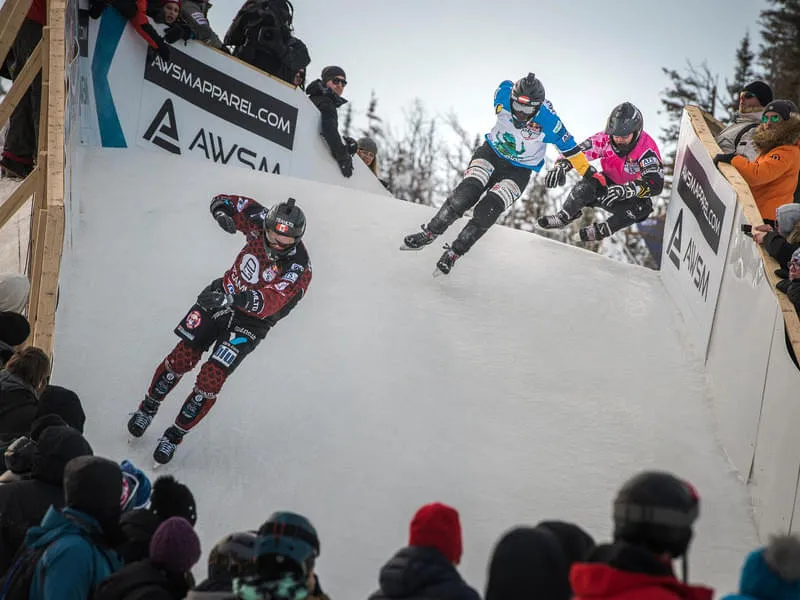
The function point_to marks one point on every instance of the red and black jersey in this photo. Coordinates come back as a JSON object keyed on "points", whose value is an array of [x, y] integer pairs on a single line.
{"points": [[263, 287]]}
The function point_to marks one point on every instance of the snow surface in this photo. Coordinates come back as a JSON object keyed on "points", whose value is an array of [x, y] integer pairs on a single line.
{"points": [[525, 386]]}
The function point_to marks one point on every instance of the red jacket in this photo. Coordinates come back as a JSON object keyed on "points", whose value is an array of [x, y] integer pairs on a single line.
{"points": [[597, 580], [38, 12]]}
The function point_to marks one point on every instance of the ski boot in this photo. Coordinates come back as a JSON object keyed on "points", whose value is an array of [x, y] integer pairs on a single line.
{"points": [[141, 419], [417, 241], [446, 262], [557, 221], [593, 233], [167, 445]]}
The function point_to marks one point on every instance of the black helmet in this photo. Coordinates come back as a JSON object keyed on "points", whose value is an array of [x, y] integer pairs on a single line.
{"points": [[624, 120], [527, 97], [284, 219], [656, 510], [233, 556]]}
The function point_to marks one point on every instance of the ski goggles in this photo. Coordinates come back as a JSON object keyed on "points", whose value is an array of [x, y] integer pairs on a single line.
{"points": [[524, 107], [771, 119], [281, 242]]}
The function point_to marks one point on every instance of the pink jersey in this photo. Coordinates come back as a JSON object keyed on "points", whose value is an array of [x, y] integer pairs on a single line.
{"points": [[644, 158]]}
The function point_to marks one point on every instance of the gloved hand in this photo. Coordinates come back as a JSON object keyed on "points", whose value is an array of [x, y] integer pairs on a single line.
{"points": [[213, 299], [177, 31], [163, 49], [558, 174], [351, 145], [225, 221], [346, 166], [597, 181], [615, 193], [725, 157]]}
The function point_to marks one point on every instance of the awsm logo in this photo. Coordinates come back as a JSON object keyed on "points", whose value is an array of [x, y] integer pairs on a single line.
{"points": [[675, 242], [163, 131]]}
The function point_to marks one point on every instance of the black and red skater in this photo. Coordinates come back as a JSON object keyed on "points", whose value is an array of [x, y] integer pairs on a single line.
{"points": [[233, 313]]}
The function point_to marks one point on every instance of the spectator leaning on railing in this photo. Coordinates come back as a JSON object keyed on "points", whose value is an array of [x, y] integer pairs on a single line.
{"points": [[772, 176], [738, 136], [326, 94]]}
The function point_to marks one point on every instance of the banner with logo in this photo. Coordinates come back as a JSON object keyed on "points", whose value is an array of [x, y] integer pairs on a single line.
{"points": [[697, 234]]}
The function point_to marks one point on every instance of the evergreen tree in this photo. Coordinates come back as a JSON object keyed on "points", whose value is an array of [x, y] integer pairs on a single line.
{"points": [[780, 52], [742, 75], [347, 124]]}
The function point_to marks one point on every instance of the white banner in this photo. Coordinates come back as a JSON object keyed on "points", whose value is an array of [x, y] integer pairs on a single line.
{"points": [[697, 234]]}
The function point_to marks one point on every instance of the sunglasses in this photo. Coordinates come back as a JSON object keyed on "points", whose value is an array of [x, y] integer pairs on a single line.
{"points": [[747, 95], [773, 119], [339, 81]]}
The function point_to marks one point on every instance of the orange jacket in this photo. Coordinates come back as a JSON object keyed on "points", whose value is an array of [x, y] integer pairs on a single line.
{"points": [[772, 177]]}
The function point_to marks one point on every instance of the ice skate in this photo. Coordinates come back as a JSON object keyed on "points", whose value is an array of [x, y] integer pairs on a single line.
{"points": [[557, 221], [417, 241], [446, 262], [167, 445], [141, 419], [592, 233]]}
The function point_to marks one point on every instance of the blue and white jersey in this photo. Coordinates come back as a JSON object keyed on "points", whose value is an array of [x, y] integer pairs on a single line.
{"points": [[526, 147]]}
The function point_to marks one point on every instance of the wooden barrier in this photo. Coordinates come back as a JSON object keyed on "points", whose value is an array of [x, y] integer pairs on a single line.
{"points": [[46, 182], [703, 124]]}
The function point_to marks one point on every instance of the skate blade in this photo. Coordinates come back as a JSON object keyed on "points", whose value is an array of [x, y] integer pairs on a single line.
{"points": [[437, 272], [409, 249]]}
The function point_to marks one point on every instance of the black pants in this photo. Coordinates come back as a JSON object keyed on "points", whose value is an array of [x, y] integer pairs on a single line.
{"points": [[23, 125], [487, 172], [623, 213]]}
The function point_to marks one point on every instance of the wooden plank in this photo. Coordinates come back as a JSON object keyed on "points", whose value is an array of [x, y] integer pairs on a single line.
{"points": [[19, 196], [750, 210], [21, 84], [44, 325], [38, 224], [12, 14]]}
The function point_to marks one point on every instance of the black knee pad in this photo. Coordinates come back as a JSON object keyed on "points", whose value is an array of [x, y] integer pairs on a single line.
{"points": [[489, 209], [464, 196]]}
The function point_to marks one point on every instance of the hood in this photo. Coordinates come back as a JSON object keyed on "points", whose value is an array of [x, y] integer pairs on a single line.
{"points": [[317, 88], [55, 448], [760, 581], [138, 527], [420, 571], [785, 133], [6, 352], [12, 383], [133, 577], [57, 523], [786, 216], [748, 117]]}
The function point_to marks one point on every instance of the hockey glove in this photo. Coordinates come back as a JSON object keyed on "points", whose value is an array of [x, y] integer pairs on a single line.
{"points": [[350, 145], [558, 174], [596, 180], [225, 221], [615, 193], [213, 299], [725, 157], [346, 166]]}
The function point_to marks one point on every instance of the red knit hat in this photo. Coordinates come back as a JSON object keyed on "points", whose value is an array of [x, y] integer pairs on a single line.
{"points": [[178, 2], [437, 526]]}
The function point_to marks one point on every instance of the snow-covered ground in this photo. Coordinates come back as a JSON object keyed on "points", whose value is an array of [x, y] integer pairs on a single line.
{"points": [[527, 385]]}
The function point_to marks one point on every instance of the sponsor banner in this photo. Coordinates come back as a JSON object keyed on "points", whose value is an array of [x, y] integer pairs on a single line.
{"points": [[697, 234], [223, 96]]}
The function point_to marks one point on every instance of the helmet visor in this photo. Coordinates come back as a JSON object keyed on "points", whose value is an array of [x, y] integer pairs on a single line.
{"points": [[280, 242], [524, 108]]}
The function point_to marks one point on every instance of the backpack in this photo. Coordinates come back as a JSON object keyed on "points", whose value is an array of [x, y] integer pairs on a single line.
{"points": [[264, 22]]}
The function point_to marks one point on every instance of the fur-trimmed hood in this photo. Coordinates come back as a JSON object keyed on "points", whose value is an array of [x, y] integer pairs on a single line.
{"points": [[786, 133]]}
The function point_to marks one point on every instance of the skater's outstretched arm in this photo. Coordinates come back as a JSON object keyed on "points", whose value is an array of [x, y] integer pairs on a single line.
{"points": [[555, 132], [237, 213]]}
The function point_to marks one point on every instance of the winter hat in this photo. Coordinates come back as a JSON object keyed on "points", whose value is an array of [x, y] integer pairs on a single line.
{"points": [[93, 485], [367, 144], [43, 422], [795, 256], [136, 487], [787, 216], [14, 328], [575, 542], [773, 571], [14, 290], [175, 545], [64, 403], [528, 558], [172, 499], [784, 108], [760, 90], [56, 446], [437, 526], [329, 73], [178, 2]]}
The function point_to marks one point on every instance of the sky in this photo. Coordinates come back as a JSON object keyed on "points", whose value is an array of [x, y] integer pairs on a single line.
{"points": [[452, 53], [385, 388]]}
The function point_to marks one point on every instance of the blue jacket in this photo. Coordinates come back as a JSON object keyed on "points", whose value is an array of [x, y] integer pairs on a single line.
{"points": [[759, 582], [72, 566]]}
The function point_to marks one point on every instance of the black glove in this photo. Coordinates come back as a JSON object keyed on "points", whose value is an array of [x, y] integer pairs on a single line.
{"points": [[725, 157], [615, 193], [178, 31], [212, 299], [558, 174], [350, 145], [596, 180], [225, 221], [783, 285], [163, 49], [346, 166]]}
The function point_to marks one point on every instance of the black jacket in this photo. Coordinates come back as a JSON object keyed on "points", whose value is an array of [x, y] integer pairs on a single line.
{"points": [[24, 503], [779, 249], [64, 403], [18, 404], [422, 573], [142, 580], [6, 352], [138, 527], [328, 103]]}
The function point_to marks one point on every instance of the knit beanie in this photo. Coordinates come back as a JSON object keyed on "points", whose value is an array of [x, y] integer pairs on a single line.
{"points": [[175, 545], [329, 73], [14, 328], [437, 526], [93, 485], [367, 144], [178, 2], [760, 90], [784, 108], [14, 289], [172, 499], [782, 556], [795, 256]]}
